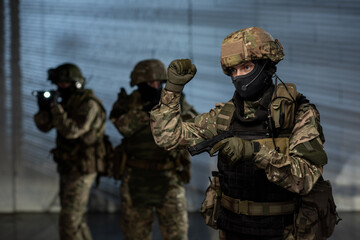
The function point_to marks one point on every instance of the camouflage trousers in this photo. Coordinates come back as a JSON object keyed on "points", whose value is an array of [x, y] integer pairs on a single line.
{"points": [[74, 196], [136, 221]]}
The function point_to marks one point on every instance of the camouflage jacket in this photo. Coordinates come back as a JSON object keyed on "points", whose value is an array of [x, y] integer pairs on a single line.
{"points": [[133, 123], [80, 125], [291, 171], [129, 117]]}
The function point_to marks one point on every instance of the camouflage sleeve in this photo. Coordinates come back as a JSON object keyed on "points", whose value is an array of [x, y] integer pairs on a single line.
{"points": [[43, 120], [187, 111], [170, 131], [72, 128], [293, 171]]}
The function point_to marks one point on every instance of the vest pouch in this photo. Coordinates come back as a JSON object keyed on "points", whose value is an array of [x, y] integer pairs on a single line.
{"points": [[317, 216], [282, 143], [283, 106], [104, 161], [283, 113], [74, 154], [210, 207], [90, 138], [65, 160], [119, 159]]}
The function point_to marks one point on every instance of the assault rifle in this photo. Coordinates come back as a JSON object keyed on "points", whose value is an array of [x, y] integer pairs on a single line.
{"points": [[46, 98], [207, 145]]}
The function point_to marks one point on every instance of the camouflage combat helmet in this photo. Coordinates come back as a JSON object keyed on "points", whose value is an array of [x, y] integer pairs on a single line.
{"points": [[67, 72], [249, 44], [148, 71]]}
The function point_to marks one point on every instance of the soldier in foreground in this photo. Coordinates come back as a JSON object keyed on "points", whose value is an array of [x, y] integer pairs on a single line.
{"points": [[269, 140], [79, 119], [153, 178]]}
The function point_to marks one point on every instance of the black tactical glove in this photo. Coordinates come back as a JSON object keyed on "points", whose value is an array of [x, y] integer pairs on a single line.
{"points": [[180, 71], [234, 149]]}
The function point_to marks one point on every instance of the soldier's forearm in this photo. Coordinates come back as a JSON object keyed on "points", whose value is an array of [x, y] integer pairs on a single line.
{"points": [[170, 99], [71, 128], [290, 172], [170, 131], [165, 120]]}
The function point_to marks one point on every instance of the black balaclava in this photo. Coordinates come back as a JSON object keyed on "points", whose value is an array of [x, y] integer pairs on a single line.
{"points": [[149, 95], [252, 85]]}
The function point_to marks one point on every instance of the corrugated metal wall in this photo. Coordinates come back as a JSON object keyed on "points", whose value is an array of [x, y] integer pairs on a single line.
{"points": [[6, 174], [107, 38]]}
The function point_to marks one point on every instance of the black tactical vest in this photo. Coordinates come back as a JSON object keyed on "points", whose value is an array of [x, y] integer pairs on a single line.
{"points": [[141, 146], [245, 182]]}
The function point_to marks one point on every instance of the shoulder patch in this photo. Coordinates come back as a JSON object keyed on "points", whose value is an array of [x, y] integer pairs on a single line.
{"points": [[313, 151]]}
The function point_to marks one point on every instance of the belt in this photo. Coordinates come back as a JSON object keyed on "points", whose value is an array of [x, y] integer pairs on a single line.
{"points": [[151, 164], [257, 208]]}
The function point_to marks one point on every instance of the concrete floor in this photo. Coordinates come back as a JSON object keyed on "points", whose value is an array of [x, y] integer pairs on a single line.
{"points": [[42, 226]]}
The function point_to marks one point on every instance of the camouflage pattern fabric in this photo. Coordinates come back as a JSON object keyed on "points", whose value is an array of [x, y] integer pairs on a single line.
{"points": [[249, 44], [148, 71], [148, 192], [80, 127], [137, 218], [79, 118], [250, 108], [74, 195], [67, 72], [132, 118], [290, 171]]}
